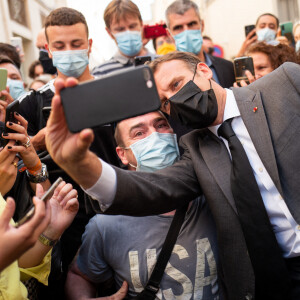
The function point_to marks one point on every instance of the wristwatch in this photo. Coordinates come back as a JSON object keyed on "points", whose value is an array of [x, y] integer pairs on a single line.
{"points": [[40, 177], [46, 241]]}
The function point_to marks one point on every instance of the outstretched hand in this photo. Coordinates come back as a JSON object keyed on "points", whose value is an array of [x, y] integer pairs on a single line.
{"points": [[65, 147]]}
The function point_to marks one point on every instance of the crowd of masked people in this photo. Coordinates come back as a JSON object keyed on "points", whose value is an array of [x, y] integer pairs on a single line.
{"points": [[198, 200]]}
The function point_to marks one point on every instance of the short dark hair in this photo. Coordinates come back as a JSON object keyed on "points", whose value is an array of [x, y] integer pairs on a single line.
{"points": [[189, 59], [65, 16], [11, 52], [31, 72], [268, 14], [179, 7]]}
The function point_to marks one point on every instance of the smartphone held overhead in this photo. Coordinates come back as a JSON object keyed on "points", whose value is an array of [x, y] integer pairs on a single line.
{"points": [[106, 100]]}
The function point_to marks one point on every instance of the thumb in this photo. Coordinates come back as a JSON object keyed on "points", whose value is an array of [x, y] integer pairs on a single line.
{"points": [[8, 212], [121, 293], [86, 137], [39, 190]]}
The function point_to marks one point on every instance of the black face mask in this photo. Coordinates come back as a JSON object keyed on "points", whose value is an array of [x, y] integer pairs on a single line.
{"points": [[194, 108], [211, 50], [46, 62]]}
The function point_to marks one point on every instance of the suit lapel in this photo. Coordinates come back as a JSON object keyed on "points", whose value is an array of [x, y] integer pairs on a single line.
{"points": [[253, 115], [218, 161]]}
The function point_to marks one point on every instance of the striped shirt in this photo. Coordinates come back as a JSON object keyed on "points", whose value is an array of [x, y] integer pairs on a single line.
{"points": [[117, 62]]}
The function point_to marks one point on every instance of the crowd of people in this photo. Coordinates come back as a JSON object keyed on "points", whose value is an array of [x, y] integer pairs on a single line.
{"points": [[218, 163]]}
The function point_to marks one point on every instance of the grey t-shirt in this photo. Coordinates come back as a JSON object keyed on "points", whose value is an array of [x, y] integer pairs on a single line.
{"points": [[126, 248]]}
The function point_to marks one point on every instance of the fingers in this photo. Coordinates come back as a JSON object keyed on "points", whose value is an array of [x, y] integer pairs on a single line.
{"points": [[243, 83], [8, 212], [121, 293], [249, 75], [9, 99]]}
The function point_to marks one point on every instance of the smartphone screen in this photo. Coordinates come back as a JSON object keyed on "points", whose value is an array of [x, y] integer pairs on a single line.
{"points": [[3, 81], [241, 64], [47, 195]]}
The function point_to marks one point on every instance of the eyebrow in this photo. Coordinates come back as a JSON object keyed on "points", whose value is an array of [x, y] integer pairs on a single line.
{"points": [[141, 124]]}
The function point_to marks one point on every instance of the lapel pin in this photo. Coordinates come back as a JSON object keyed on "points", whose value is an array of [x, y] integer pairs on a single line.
{"points": [[255, 109]]}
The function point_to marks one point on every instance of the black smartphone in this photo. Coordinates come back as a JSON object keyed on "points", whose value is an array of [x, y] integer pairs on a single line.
{"points": [[248, 29], [47, 195], [46, 112], [140, 60], [241, 64], [113, 98], [10, 117]]}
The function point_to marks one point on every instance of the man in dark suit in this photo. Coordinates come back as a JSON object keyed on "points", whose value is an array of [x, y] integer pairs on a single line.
{"points": [[265, 118]]}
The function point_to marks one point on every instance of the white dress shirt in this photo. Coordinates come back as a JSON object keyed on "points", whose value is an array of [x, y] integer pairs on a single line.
{"points": [[285, 227]]}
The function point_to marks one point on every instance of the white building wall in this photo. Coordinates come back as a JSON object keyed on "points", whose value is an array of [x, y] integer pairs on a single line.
{"points": [[9, 28]]}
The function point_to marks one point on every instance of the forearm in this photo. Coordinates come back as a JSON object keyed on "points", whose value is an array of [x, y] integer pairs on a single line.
{"points": [[34, 256], [78, 288]]}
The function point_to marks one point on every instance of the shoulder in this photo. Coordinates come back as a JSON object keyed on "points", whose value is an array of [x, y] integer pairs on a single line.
{"points": [[107, 67]]}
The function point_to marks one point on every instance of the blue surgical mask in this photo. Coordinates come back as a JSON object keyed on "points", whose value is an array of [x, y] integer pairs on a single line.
{"points": [[297, 47], [266, 35], [189, 41], [155, 152], [16, 88], [71, 63], [129, 42]]}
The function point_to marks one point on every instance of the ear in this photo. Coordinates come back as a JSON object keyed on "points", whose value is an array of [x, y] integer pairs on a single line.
{"points": [[169, 35], [47, 48], [121, 153], [90, 45], [204, 70], [202, 26], [110, 34]]}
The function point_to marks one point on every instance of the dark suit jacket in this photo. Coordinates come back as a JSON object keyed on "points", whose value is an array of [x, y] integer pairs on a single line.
{"points": [[205, 168], [224, 70]]}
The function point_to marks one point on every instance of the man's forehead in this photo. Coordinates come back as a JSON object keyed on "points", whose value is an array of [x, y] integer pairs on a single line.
{"points": [[188, 16], [139, 120], [67, 32], [11, 69]]}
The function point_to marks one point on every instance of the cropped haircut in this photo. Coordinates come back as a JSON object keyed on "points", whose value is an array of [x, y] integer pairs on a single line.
{"points": [[117, 10], [31, 71], [268, 14], [11, 52], [277, 54], [179, 7], [65, 16], [189, 59]]}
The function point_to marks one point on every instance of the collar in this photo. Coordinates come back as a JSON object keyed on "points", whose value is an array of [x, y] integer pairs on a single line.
{"points": [[231, 110], [119, 57], [208, 61]]}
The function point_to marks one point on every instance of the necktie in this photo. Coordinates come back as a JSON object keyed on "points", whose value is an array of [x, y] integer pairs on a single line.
{"points": [[271, 276]]}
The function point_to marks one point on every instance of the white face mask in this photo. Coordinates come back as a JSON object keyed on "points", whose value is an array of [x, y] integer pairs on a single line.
{"points": [[266, 35]]}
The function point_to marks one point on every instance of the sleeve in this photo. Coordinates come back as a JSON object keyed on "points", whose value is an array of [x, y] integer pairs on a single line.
{"points": [[91, 261], [40, 272], [28, 110], [142, 194]]}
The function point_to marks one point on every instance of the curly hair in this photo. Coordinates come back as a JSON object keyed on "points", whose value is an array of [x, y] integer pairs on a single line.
{"points": [[277, 54]]}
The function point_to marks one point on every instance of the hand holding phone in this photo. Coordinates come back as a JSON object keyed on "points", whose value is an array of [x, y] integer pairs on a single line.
{"points": [[47, 195], [241, 65]]}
